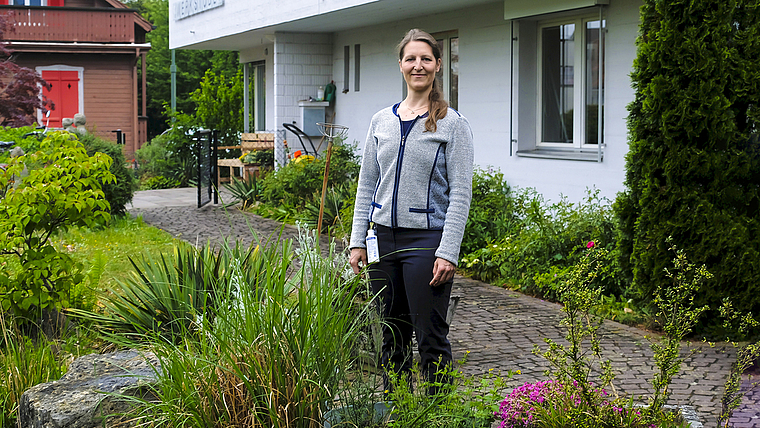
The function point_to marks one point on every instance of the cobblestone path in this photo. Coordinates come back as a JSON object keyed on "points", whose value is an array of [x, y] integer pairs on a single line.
{"points": [[500, 327]]}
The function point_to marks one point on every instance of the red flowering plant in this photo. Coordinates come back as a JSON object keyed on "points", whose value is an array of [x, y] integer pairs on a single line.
{"points": [[551, 404], [572, 398]]}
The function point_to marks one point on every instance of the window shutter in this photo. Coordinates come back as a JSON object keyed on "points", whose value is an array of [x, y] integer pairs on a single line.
{"points": [[64, 93]]}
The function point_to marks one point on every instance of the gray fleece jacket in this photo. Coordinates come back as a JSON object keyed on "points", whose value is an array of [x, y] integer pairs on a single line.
{"points": [[421, 181]]}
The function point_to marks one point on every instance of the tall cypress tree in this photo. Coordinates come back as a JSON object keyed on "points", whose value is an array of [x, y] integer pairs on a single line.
{"points": [[693, 168]]}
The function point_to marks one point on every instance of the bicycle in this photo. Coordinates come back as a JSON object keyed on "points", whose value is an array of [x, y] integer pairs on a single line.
{"points": [[40, 135]]}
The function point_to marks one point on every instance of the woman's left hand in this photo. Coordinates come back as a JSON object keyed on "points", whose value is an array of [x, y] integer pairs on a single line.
{"points": [[443, 271]]}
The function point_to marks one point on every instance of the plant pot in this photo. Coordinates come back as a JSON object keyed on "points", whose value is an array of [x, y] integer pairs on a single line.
{"points": [[381, 414]]}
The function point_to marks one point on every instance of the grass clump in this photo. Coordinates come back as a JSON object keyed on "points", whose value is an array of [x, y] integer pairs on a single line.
{"points": [[257, 336]]}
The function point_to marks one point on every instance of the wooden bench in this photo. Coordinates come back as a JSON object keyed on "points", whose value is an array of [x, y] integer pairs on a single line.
{"points": [[249, 141]]}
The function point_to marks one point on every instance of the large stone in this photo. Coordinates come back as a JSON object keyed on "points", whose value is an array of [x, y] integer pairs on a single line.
{"points": [[89, 392]]}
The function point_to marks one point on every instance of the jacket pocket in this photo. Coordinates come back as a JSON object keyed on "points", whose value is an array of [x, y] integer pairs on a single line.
{"points": [[422, 210]]}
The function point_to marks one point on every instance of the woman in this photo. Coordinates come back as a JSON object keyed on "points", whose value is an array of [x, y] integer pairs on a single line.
{"points": [[414, 190]]}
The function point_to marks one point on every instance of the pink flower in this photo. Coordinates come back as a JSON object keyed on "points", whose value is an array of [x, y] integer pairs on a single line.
{"points": [[590, 244]]}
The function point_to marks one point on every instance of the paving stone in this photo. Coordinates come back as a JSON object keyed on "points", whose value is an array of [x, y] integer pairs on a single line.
{"points": [[499, 327]]}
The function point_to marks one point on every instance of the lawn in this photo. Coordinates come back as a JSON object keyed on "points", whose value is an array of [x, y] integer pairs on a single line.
{"points": [[105, 252]]}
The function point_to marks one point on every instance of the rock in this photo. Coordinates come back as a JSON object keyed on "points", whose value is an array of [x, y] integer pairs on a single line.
{"points": [[89, 391], [79, 121]]}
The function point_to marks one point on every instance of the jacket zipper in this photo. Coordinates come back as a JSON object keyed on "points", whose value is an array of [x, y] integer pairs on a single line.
{"points": [[399, 161]]}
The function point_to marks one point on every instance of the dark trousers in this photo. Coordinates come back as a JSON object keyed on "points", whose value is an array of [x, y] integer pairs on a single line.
{"points": [[408, 303]]}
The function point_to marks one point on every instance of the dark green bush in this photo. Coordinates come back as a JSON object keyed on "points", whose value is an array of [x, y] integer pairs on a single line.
{"points": [[547, 238], [119, 193], [693, 169], [159, 182], [491, 210], [296, 183]]}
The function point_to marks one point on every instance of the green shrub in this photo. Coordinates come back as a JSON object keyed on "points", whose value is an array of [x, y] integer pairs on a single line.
{"points": [[159, 182], [336, 200], [28, 144], [24, 363], [265, 158], [491, 211], [274, 353], [64, 191], [547, 236], [295, 184], [174, 154], [692, 168], [119, 193], [153, 159], [166, 295]]}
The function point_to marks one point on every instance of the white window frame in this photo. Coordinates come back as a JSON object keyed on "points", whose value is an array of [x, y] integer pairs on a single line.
{"points": [[26, 2], [446, 37], [579, 83]]}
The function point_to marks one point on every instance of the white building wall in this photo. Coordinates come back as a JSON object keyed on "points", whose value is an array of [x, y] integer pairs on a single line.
{"points": [[239, 16], [302, 63], [256, 54], [484, 94], [297, 63]]}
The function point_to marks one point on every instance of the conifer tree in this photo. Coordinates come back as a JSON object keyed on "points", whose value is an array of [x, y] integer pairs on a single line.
{"points": [[693, 168]]}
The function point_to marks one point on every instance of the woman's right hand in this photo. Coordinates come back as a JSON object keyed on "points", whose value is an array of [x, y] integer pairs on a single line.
{"points": [[358, 255]]}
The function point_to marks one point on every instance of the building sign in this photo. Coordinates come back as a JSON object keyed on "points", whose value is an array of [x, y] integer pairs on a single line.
{"points": [[187, 8]]}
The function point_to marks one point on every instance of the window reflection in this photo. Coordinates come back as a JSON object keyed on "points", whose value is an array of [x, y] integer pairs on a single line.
{"points": [[557, 83]]}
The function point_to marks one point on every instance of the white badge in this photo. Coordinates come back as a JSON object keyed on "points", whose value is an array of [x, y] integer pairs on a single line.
{"points": [[373, 253]]}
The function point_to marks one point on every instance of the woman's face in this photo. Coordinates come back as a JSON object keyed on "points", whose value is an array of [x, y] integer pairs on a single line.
{"points": [[418, 65]]}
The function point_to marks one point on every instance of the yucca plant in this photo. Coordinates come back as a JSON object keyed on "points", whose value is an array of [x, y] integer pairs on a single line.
{"points": [[247, 191], [274, 353], [171, 293], [335, 199]]}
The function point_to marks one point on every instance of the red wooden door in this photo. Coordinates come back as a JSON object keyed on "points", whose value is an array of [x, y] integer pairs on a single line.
{"points": [[64, 93]]}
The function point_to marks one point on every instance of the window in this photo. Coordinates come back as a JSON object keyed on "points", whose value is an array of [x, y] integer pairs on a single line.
{"points": [[448, 75], [570, 97], [357, 57], [259, 96], [35, 2], [346, 67]]}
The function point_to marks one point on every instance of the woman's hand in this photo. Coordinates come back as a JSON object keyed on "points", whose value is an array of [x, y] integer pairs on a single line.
{"points": [[443, 271], [358, 255]]}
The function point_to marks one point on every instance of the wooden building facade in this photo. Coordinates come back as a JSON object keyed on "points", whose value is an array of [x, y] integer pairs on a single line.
{"points": [[89, 50]]}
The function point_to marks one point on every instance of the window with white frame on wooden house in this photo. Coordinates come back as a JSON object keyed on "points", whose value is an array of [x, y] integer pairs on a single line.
{"points": [[33, 2]]}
